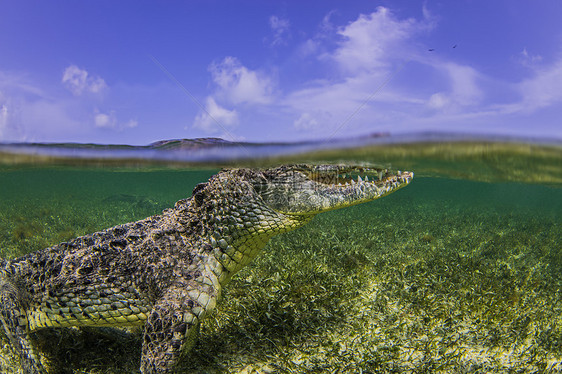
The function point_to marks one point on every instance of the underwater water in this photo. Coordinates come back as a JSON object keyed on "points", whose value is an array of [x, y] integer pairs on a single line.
{"points": [[459, 272]]}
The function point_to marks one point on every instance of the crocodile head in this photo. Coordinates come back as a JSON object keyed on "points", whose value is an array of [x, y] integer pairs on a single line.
{"points": [[305, 190], [298, 190], [243, 208]]}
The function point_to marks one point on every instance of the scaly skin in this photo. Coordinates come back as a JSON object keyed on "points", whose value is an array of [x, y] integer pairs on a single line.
{"points": [[166, 272]]}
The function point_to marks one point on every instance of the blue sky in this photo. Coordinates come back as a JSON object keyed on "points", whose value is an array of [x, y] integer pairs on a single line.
{"points": [[136, 71]]}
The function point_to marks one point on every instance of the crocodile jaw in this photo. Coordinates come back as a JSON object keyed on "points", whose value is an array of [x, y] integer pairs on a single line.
{"points": [[309, 190]]}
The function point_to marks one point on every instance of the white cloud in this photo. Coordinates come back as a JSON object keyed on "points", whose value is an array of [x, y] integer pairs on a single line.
{"points": [[543, 89], [280, 28], [18, 98], [463, 78], [438, 100], [309, 48], [25, 116], [526, 59], [306, 122], [3, 119], [238, 84], [110, 121], [373, 40], [41, 117], [463, 88], [216, 118], [79, 81], [368, 91], [368, 54], [331, 101], [333, 109], [3, 115], [131, 124], [105, 120], [318, 45], [19, 83]]}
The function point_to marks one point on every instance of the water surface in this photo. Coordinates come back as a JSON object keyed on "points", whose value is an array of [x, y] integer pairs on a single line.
{"points": [[459, 272]]}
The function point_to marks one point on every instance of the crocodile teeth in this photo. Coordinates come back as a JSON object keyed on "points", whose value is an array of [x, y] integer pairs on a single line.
{"points": [[359, 179], [380, 175], [366, 178]]}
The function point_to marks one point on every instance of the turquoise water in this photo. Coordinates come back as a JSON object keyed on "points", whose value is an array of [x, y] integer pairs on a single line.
{"points": [[459, 272]]}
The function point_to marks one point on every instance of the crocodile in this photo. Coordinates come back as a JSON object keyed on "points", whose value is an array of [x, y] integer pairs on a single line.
{"points": [[166, 272]]}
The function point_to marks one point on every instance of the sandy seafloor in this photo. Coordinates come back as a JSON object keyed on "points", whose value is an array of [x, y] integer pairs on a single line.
{"points": [[447, 275]]}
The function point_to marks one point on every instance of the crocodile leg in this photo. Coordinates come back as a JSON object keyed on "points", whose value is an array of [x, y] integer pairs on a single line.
{"points": [[14, 323], [173, 325]]}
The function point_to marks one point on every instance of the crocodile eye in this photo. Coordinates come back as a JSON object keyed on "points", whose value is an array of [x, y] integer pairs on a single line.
{"points": [[260, 187], [199, 193], [261, 184]]}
